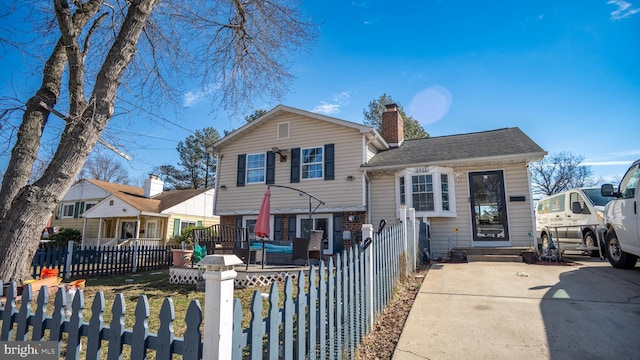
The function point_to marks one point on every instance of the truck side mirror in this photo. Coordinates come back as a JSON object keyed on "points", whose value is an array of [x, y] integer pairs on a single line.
{"points": [[607, 190]]}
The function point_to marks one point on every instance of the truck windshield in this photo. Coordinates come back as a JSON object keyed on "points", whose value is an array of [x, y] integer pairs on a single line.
{"points": [[596, 198]]}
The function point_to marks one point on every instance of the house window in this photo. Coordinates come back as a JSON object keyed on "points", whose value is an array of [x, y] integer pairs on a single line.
{"points": [[88, 206], [444, 188], [312, 163], [186, 224], [255, 168], [68, 210], [429, 190], [422, 192]]}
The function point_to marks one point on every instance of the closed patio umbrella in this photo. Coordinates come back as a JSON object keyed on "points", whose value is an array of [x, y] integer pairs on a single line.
{"points": [[262, 229]]}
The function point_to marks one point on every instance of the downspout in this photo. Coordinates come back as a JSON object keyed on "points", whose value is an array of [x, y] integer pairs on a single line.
{"points": [[216, 153]]}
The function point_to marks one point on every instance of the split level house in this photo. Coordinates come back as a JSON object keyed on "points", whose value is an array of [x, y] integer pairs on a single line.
{"points": [[324, 173], [110, 214], [473, 190]]}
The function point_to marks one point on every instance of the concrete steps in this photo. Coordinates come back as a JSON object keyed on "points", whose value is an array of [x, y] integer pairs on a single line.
{"points": [[504, 254]]}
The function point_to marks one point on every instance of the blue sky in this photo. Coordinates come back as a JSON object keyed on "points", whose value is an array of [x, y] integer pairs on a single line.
{"points": [[566, 72]]}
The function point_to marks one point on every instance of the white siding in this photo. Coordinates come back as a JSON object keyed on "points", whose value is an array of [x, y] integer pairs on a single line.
{"points": [[304, 132], [118, 209], [443, 232], [200, 205], [83, 190]]}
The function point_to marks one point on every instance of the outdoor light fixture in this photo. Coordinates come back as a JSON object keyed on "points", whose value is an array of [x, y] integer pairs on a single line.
{"points": [[223, 187], [350, 178], [283, 157]]}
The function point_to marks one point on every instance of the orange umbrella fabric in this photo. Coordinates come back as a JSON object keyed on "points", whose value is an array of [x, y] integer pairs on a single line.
{"points": [[262, 229]]}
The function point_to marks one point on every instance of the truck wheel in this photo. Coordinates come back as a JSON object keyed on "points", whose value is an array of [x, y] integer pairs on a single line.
{"points": [[590, 240], [618, 258]]}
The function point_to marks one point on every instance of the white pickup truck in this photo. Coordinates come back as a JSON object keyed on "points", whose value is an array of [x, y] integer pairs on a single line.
{"points": [[622, 239]]}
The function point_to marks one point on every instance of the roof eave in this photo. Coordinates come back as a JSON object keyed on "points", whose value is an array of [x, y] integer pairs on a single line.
{"points": [[283, 108], [528, 157]]}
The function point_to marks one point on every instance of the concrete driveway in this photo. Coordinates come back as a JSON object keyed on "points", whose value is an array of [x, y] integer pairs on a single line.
{"points": [[483, 310]]}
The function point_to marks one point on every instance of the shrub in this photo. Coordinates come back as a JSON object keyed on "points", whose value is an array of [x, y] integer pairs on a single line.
{"points": [[62, 237], [186, 235]]}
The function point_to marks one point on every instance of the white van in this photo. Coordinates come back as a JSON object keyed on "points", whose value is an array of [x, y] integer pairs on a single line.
{"points": [[571, 218], [622, 240]]}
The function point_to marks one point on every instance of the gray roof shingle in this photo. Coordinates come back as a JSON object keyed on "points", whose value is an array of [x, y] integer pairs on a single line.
{"points": [[506, 143]]}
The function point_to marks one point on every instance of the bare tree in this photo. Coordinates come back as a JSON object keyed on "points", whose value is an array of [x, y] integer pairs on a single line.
{"points": [[103, 55], [101, 166], [559, 172]]}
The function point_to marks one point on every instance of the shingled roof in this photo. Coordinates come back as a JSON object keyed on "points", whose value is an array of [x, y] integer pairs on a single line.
{"points": [[134, 196], [507, 143]]}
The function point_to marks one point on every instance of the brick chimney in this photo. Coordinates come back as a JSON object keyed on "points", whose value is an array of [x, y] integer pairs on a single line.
{"points": [[392, 126], [153, 186]]}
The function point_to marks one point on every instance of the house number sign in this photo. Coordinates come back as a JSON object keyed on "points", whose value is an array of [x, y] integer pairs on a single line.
{"points": [[422, 170]]}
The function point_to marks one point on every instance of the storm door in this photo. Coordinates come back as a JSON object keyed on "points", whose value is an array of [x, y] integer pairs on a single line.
{"points": [[488, 205]]}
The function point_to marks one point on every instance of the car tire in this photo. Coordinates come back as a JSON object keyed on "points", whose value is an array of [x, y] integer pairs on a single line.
{"points": [[618, 258], [590, 240]]}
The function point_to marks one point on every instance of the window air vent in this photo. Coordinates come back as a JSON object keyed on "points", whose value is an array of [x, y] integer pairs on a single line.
{"points": [[283, 130]]}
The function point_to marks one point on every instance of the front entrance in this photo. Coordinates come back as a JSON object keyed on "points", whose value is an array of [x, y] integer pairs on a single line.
{"points": [[128, 230], [488, 206], [319, 223]]}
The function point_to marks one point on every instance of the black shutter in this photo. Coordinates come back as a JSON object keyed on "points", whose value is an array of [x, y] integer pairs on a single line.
{"points": [[271, 167], [295, 165], [329, 162], [291, 229], [242, 166], [277, 227], [338, 244]]}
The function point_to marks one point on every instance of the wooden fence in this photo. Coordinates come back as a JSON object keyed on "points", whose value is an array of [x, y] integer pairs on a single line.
{"points": [[82, 261], [326, 317]]}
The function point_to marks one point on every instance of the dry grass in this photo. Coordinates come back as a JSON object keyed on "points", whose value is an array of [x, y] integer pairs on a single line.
{"points": [[380, 344]]}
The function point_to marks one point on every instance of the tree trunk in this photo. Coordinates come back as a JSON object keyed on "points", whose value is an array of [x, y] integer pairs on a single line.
{"points": [[28, 213], [35, 117]]}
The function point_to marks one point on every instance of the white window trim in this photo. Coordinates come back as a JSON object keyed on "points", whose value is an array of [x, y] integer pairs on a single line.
{"points": [[92, 203], [435, 172], [302, 164], [73, 207], [264, 170], [190, 222]]}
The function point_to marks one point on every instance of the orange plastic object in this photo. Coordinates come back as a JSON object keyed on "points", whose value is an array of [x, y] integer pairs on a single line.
{"points": [[48, 272], [78, 284]]}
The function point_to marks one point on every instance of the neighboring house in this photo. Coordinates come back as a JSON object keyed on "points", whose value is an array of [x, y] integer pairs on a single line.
{"points": [[108, 213], [363, 176]]}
